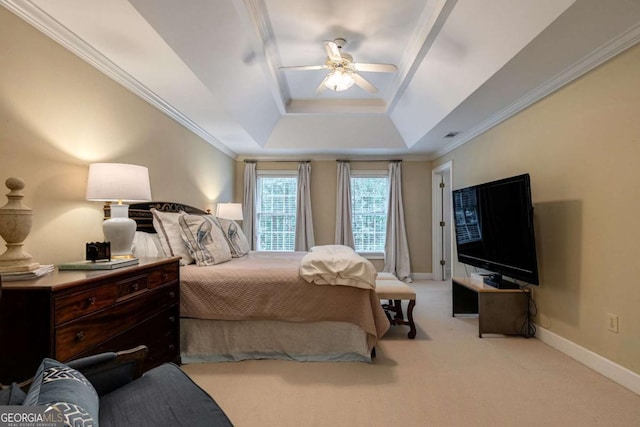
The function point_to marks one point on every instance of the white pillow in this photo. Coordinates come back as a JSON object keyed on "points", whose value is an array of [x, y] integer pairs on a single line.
{"points": [[147, 245], [236, 239], [205, 239], [168, 229]]}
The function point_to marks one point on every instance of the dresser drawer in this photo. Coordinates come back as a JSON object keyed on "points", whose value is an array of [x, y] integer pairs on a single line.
{"points": [[72, 306], [79, 335], [131, 286], [160, 334], [166, 274]]}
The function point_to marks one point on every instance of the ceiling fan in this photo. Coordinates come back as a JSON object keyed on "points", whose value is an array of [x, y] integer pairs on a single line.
{"points": [[343, 71]]}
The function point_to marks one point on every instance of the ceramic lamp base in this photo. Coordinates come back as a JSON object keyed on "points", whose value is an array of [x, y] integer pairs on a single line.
{"points": [[119, 230]]}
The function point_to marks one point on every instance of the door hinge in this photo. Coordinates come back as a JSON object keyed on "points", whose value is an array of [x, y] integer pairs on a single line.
{"points": [[443, 262], [442, 185], [442, 224]]}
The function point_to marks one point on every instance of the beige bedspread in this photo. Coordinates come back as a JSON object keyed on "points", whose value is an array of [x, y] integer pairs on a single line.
{"points": [[267, 286]]}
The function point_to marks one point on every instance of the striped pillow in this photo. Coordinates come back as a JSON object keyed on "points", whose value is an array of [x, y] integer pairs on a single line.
{"points": [[205, 239]]}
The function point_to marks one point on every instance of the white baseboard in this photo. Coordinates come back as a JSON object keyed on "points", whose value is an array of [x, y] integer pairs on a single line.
{"points": [[604, 366], [422, 276]]}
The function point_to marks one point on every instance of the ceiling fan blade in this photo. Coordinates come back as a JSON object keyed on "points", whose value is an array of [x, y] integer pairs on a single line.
{"points": [[332, 50], [375, 68], [322, 87], [364, 83], [304, 67]]}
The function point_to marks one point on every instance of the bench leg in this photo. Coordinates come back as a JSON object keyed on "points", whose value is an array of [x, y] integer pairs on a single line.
{"points": [[398, 305], [394, 313], [412, 326]]}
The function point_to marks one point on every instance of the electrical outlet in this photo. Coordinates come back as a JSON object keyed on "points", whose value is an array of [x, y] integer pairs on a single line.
{"points": [[612, 322]]}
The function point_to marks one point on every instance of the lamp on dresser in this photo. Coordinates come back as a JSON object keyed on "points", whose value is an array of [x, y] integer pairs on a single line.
{"points": [[229, 211], [118, 182]]}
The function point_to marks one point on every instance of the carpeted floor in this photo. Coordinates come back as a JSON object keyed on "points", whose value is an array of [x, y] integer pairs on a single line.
{"points": [[447, 376]]}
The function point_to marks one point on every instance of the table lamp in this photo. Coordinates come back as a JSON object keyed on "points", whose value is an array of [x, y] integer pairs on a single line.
{"points": [[229, 211], [118, 182]]}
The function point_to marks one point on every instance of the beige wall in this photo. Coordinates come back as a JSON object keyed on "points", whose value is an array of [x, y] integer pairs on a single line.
{"points": [[58, 114], [416, 182], [581, 146]]}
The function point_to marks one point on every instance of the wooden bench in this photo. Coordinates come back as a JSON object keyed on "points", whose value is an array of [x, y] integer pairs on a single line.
{"points": [[394, 291]]}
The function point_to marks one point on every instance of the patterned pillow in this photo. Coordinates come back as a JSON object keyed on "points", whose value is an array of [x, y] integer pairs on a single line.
{"points": [[65, 390], [205, 239], [235, 237], [168, 229]]}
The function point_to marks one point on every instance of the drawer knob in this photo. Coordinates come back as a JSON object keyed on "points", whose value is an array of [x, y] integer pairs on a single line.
{"points": [[172, 294], [165, 276], [172, 319], [80, 336], [91, 301], [171, 346], [134, 287]]}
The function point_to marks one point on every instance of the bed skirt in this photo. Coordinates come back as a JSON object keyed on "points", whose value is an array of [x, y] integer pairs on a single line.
{"points": [[234, 340]]}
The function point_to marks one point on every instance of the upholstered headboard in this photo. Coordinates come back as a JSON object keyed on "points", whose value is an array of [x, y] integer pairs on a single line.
{"points": [[141, 212]]}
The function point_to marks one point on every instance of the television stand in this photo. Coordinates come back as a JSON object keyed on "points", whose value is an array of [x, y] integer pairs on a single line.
{"points": [[497, 281], [499, 310]]}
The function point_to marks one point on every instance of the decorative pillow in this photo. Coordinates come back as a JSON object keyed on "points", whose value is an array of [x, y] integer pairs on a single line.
{"points": [[147, 245], [235, 237], [67, 391], [205, 239], [12, 395], [168, 229]]}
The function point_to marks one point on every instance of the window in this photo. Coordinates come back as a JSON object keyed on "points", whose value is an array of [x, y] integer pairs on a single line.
{"points": [[369, 210], [276, 212]]}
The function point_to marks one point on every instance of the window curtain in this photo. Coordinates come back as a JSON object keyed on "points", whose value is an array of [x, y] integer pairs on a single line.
{"points": [[344, 226], [304, 219], [396, 247], [249, 204]]}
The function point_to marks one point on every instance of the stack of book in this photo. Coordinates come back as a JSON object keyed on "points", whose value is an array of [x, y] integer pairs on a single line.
{"points": [[98, 265], [27, 275]]}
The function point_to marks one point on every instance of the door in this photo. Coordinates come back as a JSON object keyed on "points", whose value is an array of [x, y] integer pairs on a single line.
{"points": [[442, 244]]}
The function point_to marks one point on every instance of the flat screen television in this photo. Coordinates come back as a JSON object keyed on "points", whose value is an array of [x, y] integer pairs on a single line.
{"points": [[494, 230]]}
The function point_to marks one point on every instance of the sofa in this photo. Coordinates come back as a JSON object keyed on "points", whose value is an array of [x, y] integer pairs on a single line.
{"points": [[109, 389]]}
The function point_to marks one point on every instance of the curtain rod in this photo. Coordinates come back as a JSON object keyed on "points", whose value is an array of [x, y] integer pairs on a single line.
{"points": [[337, 160], [278, 161], [370, 160]]}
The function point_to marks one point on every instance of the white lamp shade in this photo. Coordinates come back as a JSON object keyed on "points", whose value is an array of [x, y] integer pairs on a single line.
{"points": [[229, 211], [118, 182]]}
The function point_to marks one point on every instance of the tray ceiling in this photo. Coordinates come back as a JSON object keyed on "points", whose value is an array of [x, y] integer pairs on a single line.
{"points": [[463, 66]]}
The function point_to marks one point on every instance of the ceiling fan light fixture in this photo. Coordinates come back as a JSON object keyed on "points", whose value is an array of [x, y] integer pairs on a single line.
{"points": [[339, 80]]}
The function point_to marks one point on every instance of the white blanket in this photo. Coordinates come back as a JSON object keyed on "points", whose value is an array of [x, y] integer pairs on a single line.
{"points": [[337, 265]]}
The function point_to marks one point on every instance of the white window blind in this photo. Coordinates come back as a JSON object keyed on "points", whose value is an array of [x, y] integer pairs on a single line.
{"points": [[276, 212], [369, 195]]}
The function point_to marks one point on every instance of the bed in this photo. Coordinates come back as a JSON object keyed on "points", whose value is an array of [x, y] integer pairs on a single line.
{"points": [[258, 306]]}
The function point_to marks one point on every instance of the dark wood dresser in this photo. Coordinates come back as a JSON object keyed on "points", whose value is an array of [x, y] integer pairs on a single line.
{"points": [[70, 314]]}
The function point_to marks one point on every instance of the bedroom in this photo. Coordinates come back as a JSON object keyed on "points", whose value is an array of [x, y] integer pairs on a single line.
{"points": [[58, 114]]}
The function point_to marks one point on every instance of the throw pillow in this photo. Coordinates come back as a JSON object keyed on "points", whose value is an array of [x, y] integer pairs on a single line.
{"points": [[66, 391], [235, 237], [147, 245], [205, 239], [12, 395], [168, 229]]}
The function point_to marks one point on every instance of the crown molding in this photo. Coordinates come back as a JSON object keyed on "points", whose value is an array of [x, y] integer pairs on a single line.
{"points": [[332, 158], [597, 57], [43, 22]]}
